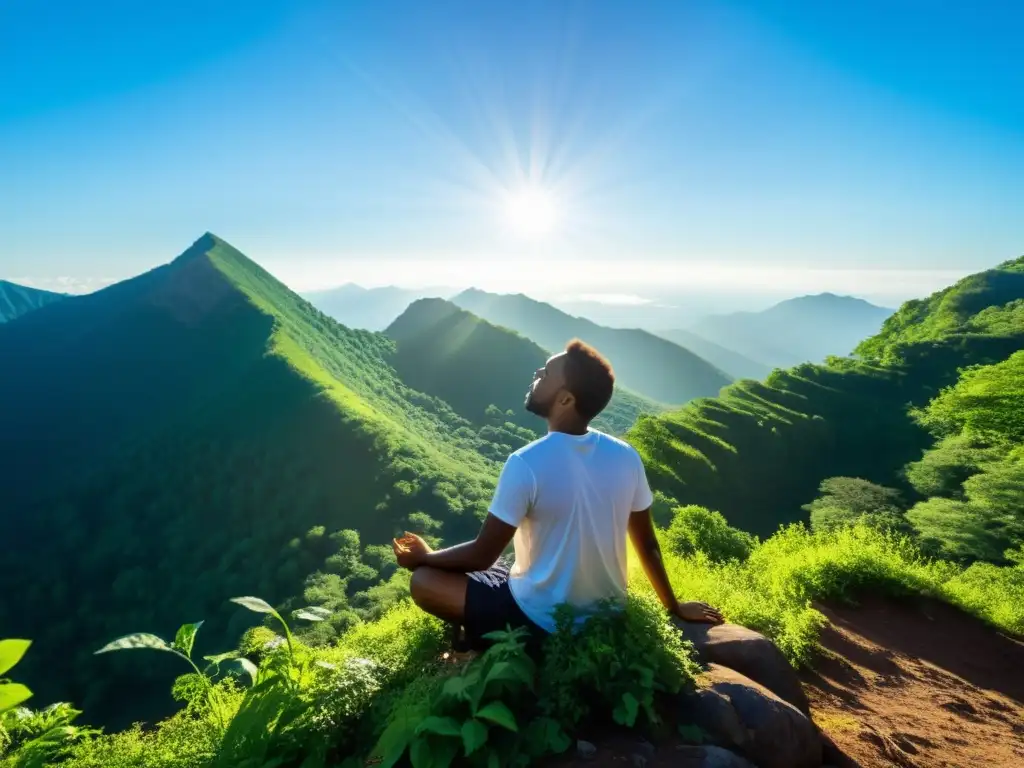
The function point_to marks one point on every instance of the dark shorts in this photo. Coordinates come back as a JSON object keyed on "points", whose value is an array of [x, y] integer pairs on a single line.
{"points": [[490, 607]]}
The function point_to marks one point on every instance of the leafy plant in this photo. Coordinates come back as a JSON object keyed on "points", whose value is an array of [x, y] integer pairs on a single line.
{"points": [[267, 728], [616, 662], [184, 640], [472, 715], [12, 694]]}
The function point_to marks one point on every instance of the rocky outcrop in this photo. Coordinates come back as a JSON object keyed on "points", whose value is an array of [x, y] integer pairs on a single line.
{"points": [[745, 717], [749, 653]]}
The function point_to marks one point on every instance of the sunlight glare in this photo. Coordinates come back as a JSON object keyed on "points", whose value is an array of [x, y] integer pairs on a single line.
{"points": [[531, 212]]}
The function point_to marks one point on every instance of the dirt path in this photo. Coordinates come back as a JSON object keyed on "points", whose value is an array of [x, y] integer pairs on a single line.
{"points": [[918, 685]]}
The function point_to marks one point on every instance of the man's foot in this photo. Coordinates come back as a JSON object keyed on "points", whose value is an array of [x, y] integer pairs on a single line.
{"points": [[461, 652], [699, 612], [460, 642]]}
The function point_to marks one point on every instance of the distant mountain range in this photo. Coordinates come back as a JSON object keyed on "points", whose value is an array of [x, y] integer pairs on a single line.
{"points": [[476, 366], [17, 300], [733, 363], [643, 362], [371, 308], [804, 329], [739, 344]]}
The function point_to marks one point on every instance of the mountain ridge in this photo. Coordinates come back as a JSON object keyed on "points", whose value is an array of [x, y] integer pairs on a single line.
{"points": [[644, 362], [798, 330], [18, 300], [733, 363], [437, 339]]}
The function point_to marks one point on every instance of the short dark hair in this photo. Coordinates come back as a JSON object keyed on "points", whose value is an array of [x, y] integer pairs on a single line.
{"points": [[589, 377]]}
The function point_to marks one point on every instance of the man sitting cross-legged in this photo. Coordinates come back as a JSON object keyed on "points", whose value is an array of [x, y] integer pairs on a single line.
{"points": [[569, 500]]}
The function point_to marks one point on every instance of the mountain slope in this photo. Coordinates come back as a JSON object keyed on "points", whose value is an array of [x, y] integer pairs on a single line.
{"points": [[643, 362], [733, 363], [371, 308], [760, 451], [475, 367], [201, 425], [17, 300], [804, 329], [989, 303]]}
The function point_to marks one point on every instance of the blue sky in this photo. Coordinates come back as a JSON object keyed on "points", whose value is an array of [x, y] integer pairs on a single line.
{"points": [[865, 147]]}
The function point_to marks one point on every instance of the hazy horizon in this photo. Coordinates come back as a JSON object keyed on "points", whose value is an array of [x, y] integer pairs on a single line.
{"points": [[711, 289], [695, 290]]}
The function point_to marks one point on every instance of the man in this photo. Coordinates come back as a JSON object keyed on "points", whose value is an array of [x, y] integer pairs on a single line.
{"points": [[569, 500]]}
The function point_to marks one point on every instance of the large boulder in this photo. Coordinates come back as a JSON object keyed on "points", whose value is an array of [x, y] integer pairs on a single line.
{"points": [[745, 717], [749, 653]]}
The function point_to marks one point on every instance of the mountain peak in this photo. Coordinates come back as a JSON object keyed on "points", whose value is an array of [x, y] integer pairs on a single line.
{"points": [[826, 299], [206, 243]]}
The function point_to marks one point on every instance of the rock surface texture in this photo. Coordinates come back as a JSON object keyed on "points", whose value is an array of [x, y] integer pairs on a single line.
{"points": [[749, 653], [749, 719]]}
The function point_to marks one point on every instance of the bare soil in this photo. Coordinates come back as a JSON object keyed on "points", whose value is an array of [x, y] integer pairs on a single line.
{"points": [[917, 685]]}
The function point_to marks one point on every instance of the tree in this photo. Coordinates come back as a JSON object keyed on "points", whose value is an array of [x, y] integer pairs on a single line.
{"points": [[987, 401], [943, 470], [846, 500], [956, 530]]}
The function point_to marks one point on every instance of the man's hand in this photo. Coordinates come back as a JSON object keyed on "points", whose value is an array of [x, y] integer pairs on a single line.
{"points": [[410, 550], [697, 611]]}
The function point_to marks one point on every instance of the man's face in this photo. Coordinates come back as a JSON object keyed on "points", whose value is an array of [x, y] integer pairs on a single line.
{"points": [[548, 382]]}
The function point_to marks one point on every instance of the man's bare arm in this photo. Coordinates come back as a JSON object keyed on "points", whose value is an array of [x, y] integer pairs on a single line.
{"points": [[645, 541], [476, 555]]}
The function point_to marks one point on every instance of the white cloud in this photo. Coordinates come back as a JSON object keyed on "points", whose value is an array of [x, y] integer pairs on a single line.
{"points": [[65, 284]]}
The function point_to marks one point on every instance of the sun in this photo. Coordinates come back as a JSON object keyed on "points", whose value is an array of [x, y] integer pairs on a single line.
{"points": [[531, 212]]}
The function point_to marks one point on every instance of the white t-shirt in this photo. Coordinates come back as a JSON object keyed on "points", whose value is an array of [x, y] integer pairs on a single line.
{"points": [[570, 497]]}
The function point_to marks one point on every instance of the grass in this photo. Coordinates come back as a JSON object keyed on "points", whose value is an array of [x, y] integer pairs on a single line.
{"points": [[773, 590]]}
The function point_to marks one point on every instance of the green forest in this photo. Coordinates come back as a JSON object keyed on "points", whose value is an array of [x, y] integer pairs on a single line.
{"points": [[230, 464]]}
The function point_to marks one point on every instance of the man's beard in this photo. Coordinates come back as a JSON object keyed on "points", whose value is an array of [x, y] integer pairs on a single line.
{"points": [[536, 407]]}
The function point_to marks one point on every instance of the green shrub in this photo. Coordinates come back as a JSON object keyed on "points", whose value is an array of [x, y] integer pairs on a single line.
{"points": [[662, 509], [992, 593], [39, 738], [178, 742], [401, 643], [32, 739], [486, 715], [840, 564], [696, 529], [614, 664]]}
